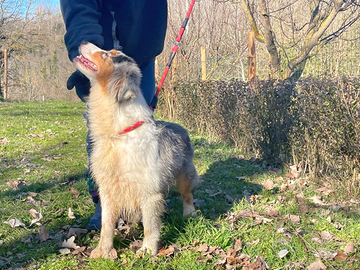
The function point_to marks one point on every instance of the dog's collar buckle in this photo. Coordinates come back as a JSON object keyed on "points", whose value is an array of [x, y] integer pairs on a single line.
{"points": [[128, 129]]}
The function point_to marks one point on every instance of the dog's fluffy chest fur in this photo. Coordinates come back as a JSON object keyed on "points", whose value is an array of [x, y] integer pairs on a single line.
{"points": [[134, 170]]}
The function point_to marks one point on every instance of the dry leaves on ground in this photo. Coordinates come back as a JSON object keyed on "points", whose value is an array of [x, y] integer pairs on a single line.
{"points": [[38, 216], [318, 265], [44, 234], [15, 222], [75, 192]]}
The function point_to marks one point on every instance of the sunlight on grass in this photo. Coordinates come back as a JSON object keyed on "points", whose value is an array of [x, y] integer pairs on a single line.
{"points": [[44, 156]]}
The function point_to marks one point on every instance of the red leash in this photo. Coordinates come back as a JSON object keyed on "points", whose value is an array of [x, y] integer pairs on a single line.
{"points": [[168, 65], [174, 50]]}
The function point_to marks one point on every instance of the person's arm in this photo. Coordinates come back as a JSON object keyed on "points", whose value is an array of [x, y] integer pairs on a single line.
{"points": [[82, 24]]}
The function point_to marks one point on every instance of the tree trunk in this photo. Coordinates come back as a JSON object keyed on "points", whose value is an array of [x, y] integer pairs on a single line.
{"points": [[270, 41]]}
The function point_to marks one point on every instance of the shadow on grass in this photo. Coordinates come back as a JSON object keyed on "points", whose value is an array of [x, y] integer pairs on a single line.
{"points": [[22, 246], [223, 185]]}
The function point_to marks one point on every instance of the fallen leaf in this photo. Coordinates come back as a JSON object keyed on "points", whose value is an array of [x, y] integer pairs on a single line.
{"points": [[75, 192], [195, 243], [324, 190], [247, 213], [76, 232], [282, 253], [202, 248], [169, 251], [349, 248], [230, 260], [324, 254], [283, 187], [31, 200], [318, 265], [64, 251], [317, 200], [44, 235], [13, 184], [340, 256], [136, 245], [71, 214], [237, 245], [290, 175], [258, 264], [264, 219], [230, 252], [268, 184], [15, 222], [325, 235], [294, 218], [272, 213], [36, 215], [317, 240], [78, 250], [303, 208], [33, 194], [70, 243]]}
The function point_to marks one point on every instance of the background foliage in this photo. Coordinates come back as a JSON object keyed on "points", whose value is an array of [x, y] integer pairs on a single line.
{"points": [[311, 123]]}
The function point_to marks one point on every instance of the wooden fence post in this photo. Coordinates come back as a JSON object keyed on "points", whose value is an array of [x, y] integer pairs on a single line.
{"points": [[252, 59], [203, 63], [5, 88], [157, 72]]}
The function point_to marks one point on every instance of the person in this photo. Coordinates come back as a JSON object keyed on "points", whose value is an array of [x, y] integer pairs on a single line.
{"points": [[135, 27]]}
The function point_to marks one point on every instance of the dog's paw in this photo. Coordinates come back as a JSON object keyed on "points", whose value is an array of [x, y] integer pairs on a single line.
{"points": [[146, 250], [99, 253], [189, 210]]}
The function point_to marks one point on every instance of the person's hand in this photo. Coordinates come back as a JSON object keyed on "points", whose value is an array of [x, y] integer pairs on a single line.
{"points": [[81, 84]]}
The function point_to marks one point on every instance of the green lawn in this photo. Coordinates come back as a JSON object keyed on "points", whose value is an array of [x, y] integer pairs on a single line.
{"points": [[42, 163]]}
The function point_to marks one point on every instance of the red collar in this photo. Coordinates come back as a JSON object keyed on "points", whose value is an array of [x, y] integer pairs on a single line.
{"points": [[128, 129]]}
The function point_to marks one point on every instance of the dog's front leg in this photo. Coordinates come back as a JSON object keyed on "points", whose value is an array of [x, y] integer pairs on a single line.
{"points": [[108, 219], [152, 209]]}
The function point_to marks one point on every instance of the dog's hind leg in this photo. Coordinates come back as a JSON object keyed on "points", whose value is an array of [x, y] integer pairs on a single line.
{"points": [[108, 220], [152, 209], [186, 183]]}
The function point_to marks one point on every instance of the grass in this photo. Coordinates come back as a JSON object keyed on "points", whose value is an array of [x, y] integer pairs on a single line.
{"points": [[44, 152]]}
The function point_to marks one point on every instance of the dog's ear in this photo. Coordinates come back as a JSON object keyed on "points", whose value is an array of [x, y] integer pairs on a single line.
{"points": [[124, 83]]}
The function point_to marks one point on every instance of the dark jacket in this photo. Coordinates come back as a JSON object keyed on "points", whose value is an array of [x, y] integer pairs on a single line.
{"points": [[140, 26]]}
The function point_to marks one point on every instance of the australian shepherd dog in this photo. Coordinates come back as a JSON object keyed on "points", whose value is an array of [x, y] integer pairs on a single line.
{"points": [[134, 159]]}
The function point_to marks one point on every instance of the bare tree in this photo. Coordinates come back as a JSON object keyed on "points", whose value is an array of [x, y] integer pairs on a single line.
{"points": [[14, 18], [291, 31]]}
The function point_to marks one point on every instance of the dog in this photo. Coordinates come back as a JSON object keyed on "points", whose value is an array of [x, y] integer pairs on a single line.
{"points": [[134, 159]]}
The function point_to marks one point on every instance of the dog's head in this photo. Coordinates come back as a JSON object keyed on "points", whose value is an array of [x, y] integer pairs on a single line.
{"points": [[110, 69]]}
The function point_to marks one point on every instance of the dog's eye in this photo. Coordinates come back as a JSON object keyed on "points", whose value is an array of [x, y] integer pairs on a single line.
{"points": [[106, 55]]}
